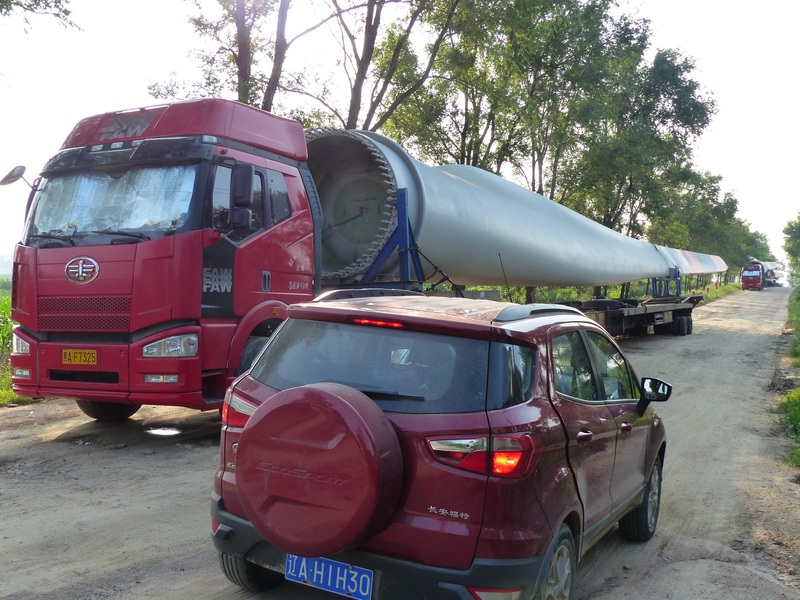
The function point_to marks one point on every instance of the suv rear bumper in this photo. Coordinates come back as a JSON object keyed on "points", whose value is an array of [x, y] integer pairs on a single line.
{"points": [[395, 579]]}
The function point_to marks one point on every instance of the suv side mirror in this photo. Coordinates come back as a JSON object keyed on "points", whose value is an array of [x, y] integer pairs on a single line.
{"points": [[241, 201], [653, 390]]}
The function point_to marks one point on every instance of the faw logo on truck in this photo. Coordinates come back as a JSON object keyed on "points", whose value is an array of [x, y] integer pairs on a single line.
{"points": [[126, 126], [81, 270], [217, 280]]}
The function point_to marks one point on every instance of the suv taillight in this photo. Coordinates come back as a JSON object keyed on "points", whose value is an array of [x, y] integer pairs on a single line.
{"points": [[236, 411], [510, 455]]}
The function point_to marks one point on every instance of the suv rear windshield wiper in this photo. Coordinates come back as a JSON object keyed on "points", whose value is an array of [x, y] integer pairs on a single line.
{"points": [[376, 395]]}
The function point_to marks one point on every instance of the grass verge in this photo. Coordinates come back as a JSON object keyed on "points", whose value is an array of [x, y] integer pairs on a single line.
{"points": [[789, 408]]}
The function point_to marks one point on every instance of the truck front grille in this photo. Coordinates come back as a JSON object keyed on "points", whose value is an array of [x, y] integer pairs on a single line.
{"points": [[84, 313]]}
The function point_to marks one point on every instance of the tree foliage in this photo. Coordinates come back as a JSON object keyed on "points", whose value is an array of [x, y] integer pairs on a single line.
{"points": [[565, 95], [791, 244], [56, 8]]}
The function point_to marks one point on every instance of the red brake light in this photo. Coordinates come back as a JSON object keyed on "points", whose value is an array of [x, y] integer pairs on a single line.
{"points": [[463, 453], [236, 411], [510, 456], [378, 323]]}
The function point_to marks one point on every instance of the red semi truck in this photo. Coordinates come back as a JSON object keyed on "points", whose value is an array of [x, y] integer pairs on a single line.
{"points": [[753, 276], [163, 245], [146, 273]]}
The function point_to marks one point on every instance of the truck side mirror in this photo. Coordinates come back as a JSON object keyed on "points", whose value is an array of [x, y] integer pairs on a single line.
{"points": [[241, 201], [15, 175]]}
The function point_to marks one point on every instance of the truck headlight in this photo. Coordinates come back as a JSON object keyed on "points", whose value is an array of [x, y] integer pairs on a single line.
{"points": [[176, 346], [20, 346]]}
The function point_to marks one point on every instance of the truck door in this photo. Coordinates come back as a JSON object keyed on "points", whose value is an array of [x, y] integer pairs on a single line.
{"points": [[272, 258]]}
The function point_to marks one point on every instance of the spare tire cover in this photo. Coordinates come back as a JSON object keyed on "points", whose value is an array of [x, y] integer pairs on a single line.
{"points": [[319, 469]]}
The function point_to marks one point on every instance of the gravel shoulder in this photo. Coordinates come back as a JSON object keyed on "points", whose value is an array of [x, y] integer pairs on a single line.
{"points": [[91, 511]]}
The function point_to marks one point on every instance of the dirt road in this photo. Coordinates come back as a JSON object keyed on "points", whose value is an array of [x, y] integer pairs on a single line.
{"points": [[89, 511]]}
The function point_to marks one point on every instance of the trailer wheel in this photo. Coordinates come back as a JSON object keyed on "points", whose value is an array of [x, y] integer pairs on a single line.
{"points": [[689, 324], [683, 325], [107, 412]]}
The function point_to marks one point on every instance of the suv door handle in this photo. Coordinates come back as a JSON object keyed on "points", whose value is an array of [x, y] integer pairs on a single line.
{"points": [[626, 427], [584, 435]]}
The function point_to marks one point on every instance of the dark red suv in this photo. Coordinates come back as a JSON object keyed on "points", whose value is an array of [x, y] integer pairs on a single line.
{"points": [[419, 447]]}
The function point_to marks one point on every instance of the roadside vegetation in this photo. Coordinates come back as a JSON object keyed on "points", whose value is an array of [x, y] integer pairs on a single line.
{"points": [[789, 408], [7, 397]]}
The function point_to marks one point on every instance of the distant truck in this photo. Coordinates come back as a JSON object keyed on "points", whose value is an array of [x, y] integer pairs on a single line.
{"points": [[753, 276], [164, 244]]}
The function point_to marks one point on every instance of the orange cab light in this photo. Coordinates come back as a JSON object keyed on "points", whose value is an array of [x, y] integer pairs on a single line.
{"points": [[379, 323]]}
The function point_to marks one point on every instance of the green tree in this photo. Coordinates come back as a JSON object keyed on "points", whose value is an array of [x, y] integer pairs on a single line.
{"points": [[56, 8], [239, 42], [791, 244], [652, 116], [229, 64]]}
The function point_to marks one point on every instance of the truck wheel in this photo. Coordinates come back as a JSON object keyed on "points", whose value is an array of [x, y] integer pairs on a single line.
{"points": [[107, 412], [248, 575], [561, 564], [319, 469], [250, 352], [641, 524]]}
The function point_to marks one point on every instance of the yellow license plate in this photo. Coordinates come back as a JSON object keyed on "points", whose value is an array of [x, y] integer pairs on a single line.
{"points": [[79, 357]]}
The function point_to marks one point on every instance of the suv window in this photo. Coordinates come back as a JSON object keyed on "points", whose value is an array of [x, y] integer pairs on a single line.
{"points": [[615, 375], [402, 371], [572, 367], [512, 375]]}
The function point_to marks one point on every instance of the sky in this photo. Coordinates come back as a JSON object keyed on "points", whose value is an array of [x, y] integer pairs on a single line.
{"points": [[745, 56]]}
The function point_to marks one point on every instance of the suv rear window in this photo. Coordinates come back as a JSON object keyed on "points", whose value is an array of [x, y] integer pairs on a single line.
{"points": [[402, 371]]}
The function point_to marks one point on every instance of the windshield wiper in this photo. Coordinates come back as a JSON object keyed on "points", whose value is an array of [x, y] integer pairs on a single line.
{"points": [[65, 239], [128, 234], [376, 395]]}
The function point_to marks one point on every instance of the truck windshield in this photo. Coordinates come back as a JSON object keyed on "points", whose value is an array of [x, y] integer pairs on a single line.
{"points": [[103, 206]]}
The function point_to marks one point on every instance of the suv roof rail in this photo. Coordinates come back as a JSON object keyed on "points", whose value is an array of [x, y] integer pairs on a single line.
{"points": [[347, 294], [523, 311]]}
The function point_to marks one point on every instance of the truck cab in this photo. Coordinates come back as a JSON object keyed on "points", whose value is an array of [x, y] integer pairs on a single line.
{"points": [[753, 277], [158, 243]]}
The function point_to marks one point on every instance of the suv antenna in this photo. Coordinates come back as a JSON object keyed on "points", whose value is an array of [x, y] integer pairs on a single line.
{"points": [[508, 288]]}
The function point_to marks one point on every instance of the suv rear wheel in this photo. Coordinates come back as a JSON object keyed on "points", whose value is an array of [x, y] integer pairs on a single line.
{"points": [[561, 563]]}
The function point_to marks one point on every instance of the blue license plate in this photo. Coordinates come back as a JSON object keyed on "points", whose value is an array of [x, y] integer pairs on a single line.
{"points": [[330, 575]]}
